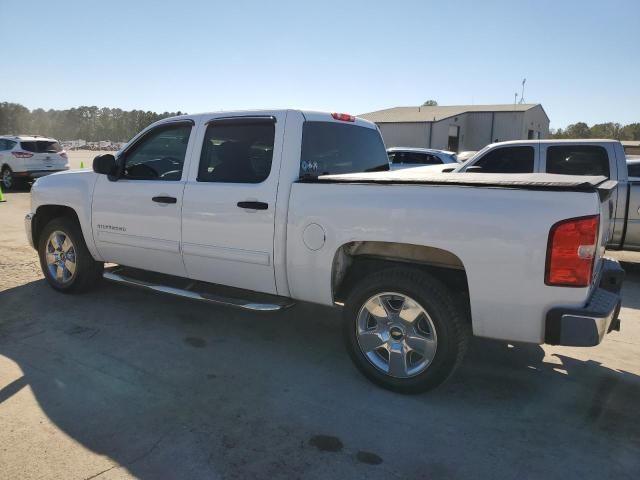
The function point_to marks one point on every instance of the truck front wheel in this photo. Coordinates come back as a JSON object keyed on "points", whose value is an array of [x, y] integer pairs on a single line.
{"points": [[64, 258], [404, 330]]}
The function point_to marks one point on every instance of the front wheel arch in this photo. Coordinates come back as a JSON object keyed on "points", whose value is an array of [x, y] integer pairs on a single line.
{"points": [[45, 213]]}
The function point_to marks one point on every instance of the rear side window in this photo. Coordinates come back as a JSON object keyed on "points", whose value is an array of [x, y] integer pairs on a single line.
{"points": [[578, 160], [41, 146], [634, 169], [507, 160], [413, 158], [237, 152], [334, 148]]}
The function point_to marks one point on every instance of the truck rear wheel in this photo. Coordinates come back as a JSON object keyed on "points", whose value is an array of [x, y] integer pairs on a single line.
{"points": [[404, 330], [64, 258]]}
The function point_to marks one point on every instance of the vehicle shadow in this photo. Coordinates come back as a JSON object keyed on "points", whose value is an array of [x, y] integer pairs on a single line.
{"points": [[168, 388]]}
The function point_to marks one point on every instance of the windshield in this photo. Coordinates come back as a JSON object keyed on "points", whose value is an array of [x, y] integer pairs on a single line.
{"points": [[334, 148]]}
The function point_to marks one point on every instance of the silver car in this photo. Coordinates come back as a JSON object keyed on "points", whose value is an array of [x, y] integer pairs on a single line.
{"points": [[407, 157]]}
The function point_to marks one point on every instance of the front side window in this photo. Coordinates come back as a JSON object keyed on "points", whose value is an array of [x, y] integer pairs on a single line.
{"points": [[507, 160], [335, 148], [159, 155], [578, 160], [237, 152]]}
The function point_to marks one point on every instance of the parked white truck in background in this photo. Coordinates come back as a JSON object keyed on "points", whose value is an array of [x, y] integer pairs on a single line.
{"points": [[257, 209], [570, 157]]}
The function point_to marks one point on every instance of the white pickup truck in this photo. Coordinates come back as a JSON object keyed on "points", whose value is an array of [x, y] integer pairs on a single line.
{"points": [[257, 209], [570, 157]]}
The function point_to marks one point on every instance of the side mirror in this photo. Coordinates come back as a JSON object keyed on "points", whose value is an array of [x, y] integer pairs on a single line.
{"points": [[448, 170], [474, 169], [105, 164]]}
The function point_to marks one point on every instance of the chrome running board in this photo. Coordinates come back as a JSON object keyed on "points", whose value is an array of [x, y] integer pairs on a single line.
{"points": [[204, 292]]}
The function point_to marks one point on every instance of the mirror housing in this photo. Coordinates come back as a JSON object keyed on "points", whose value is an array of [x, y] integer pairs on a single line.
{"points": [[105, 165]]}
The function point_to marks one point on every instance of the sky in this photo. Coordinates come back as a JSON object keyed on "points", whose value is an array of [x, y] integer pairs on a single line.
{"points": [[580, 58]]}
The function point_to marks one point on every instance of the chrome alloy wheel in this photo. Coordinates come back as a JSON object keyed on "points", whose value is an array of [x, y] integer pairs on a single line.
{"points": [[396, 334], [61, 257]]}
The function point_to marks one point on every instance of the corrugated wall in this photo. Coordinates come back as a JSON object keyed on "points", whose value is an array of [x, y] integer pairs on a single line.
{"points": [[536, 120], [477, 131], [508, 126], [405, 134]]}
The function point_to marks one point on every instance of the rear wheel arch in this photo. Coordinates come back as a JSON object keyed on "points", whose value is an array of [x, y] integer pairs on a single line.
{"points": [[354, 261]]}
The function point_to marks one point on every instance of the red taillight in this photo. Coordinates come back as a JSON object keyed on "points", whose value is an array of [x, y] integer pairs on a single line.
{"points": [[22, 154], [63, 155], [344, 117], [571, 252]]}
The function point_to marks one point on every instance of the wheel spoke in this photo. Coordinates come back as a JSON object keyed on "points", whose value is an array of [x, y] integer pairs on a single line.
{"points": [[410, 310], [66, 245], [70, 266], [370, 340], [50, 258], [376, 308], [60, 273], [389, 311], [397, 360], [56, 241], [426, 347]]}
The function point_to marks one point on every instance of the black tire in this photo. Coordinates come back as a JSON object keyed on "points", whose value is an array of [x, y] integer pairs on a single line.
{"points": [[9, 180], [87, 271], [448, 318]]}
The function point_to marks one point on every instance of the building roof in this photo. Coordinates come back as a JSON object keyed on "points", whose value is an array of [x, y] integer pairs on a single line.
{"points": [[434, 114]]}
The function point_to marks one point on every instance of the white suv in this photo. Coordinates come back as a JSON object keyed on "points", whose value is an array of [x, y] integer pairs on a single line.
{"points": [[26, 157]]}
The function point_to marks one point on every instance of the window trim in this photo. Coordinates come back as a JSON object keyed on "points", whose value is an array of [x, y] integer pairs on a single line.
{"points": [[238, 121], [122, 157]]}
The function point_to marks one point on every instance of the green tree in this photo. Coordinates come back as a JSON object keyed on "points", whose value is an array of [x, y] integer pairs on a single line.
{"points": [[606, 130], [85, 122], [577, 130], [430, 103]]}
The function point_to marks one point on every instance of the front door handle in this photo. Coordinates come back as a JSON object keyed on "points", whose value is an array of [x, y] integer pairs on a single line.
{"points": [[162, 199], [254, 205]]}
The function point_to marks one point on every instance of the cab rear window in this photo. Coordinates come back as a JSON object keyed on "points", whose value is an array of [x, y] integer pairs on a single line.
{"points": [[41, 146], [578, 160], [334, 148]]}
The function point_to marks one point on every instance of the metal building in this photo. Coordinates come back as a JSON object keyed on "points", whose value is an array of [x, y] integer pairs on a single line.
{"points": [[459, 127]]}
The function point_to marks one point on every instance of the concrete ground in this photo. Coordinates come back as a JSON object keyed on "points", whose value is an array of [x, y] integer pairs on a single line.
{"points": [[121, 383]]}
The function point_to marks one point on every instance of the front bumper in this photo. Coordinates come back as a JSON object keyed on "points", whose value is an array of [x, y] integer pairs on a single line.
{"points": [[28, 220], [587, 326]]}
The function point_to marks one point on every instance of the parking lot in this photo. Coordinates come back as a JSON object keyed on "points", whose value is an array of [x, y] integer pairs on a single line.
{"points": [[121, 383]]}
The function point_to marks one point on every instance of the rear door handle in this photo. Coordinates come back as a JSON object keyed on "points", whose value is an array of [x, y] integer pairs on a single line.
{"points": [[164, 199], [254, 205]]}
